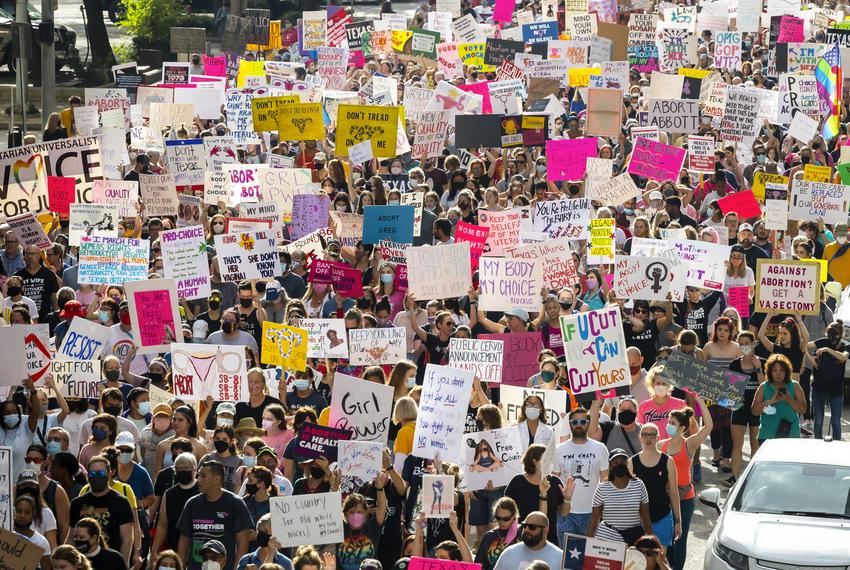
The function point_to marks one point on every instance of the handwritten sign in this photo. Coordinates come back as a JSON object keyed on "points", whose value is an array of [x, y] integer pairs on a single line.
{"points": [[29, 230], [788, 286], [77, 378], [377, 346], [249, 255], [83, 341], [114, 261], [519, 355], [154, 316], [361, 407], [307, 519], [595, 350], [812, 200], [284, 346], [18, 552], [360, 461], [6, 483], [159, 194], [563, 218], [483, 357], [184, 259], [715, 383], [437, 272], [554, 403], [442, 413], [655, 160], [646, 278], [504, 228], [326, 338], [506, 283], [201, 370]]}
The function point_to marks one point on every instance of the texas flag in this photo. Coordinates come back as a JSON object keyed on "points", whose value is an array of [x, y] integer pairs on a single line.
{"points": [[582, 553]]}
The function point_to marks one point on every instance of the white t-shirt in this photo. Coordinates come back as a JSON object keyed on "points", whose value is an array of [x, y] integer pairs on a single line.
{"points": [[48, 522], [19, 439], [748, 281], [7, 306], [119, 344], [73, 423], [39, 540], [583, 462]]}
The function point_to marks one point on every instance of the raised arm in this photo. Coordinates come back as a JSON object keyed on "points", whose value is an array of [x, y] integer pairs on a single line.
{"points": [[766, 342], [410, 303], [696, 439]]}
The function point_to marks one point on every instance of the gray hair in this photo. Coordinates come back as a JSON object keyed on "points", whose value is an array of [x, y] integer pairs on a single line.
{"points": [[184, 458], [265, 520]]}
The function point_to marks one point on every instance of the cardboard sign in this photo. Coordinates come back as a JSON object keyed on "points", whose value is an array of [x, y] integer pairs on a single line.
{"points": [[326, 338], [29, 230], [714, 383], [615, 191], [567, 159], [813, 200], [186, 160], [476, 236], [503, 229], [361, 408], [438, 272], [309, 213], [492, 456], [740, 117], [595, 350], [506, 283], [91, 220], [674, 115], [83, 341], [113, 261], [483, 357], [17, 551], [61, 192], [154, 316], [360, 461], [602, 245], [554, 403], [159, 194], [788, 286], [646, 278], [373, 347], [438, 495], [6, 497], [316, 441], [307, 519], [184, 260], [655, 160], [284, 346], [442, 413], [559, 268], [77, 378], [250, 255], [519, 356], [201, 370]]}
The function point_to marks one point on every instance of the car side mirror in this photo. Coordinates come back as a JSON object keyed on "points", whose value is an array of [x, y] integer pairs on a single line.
{"points": [[710, 497]]}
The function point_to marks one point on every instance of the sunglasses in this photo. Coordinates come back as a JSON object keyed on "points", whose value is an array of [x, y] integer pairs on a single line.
{"points": [[36, 460], [579, 422], [98, 473], [505, 519]]}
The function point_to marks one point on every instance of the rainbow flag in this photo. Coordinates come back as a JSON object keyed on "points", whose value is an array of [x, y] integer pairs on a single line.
{"points": [[828, 77]]}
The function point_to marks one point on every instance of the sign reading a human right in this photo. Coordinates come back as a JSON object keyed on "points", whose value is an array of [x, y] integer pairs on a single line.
{"points": [[788, 286]]}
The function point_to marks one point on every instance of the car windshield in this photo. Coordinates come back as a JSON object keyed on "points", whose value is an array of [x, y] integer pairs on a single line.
{"points": [[7, 10], [796, 489]]}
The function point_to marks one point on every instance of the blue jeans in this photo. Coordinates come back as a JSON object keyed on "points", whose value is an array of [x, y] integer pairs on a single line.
{"points": [[678, 551], [819, 399], [573, 523]]}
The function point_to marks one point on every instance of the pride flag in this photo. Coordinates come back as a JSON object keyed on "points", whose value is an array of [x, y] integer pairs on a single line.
{"points": [[828, 77]]}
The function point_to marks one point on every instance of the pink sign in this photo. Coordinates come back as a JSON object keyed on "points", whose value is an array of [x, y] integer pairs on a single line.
{"points": [[347, 280], [477, 238], [790, 30], [504, 11], [519, 359], [355, 58], [215, 66], [156, 324], [417, 563], [567, 159], [655, 160], [401, 273], [739, 297], [480, 88], [743, 203], [320, 272], [61, 192]]}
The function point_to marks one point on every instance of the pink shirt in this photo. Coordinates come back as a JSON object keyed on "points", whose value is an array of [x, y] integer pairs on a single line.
{"points": [[278, 443], [650, 412]]}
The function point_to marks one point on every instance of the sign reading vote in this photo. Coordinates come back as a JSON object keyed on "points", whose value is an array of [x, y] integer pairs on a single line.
{"points": [[391, 223]]}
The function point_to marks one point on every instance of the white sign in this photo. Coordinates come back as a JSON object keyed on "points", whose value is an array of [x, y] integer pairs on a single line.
{"points": [[83, 341], [362, 407], [307, 519], [484, 357], [326, 338], [493, 456], [370, 347], [201, 370], [442, 413]]}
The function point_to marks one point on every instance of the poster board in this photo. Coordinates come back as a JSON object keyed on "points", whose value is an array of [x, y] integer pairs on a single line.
{"points": [[201, 370], [307, 519], [788, 286], [154, 316], [362, 407]]}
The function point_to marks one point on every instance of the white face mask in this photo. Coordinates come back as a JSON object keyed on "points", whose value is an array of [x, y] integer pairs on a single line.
{"points": [[211, 565], [532, 413], [396, 170], [660, 390], [841, 240], [746, 349]]}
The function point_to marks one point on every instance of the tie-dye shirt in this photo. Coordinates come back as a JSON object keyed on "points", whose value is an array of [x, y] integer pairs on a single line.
{"points": [[358, 545], [492, 545]]}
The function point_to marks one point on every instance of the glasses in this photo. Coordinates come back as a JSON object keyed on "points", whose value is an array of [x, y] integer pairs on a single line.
{"points": [[36, 460], [579, 422], [649, 435], [504, 519], [531, 526], [641, 311]]}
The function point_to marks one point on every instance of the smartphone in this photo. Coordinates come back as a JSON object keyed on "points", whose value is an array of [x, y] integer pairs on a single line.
{"points": [[782, 391]]}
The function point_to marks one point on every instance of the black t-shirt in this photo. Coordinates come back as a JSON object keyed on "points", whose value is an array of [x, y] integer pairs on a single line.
{"points": [[244, 410], [358, 545], [300, 487], [771, 332], [107, 559], [829, 375], [202, 520], [527, 497], [175, 501], [645, 341], [696, 318], [213, 325], [753, 255], [414, 468], [439, 530], [164, 481], [438, 350], [391, 536], [111, 511], [40, 287], [491, 547]]}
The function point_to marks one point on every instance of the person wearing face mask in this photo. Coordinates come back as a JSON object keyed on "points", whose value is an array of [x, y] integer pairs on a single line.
{"points": [[304, 393], [120, 343], [24, 515], [533, 545], [659, 475], [268, 548], [743, 419], [14, 294], [835, 254], [87, 539], [139, 408], [831, 354], [317, 477], [111, 403], [224, 445], [157, 431], [166, 560], [46, 420], [620, 504], [258, 490], [532, 422], [457, 182], [16, 431], [657, 409], [623, 433], [230, 333], [212, 316], [467, 203], [217, 227], [108, 507], [362, 530], [131, 473], [54, 497], [232, 524]]}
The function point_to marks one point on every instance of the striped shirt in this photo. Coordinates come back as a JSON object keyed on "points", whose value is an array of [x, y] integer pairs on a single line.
{"points": [[620, 507]]}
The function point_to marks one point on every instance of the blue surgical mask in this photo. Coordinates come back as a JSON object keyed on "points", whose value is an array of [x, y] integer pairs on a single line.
{"points": [[103, 317], [387, 278], [249, 461], [53, 447], [144, 408], [411, 382], [301, 384], [672, 430]]}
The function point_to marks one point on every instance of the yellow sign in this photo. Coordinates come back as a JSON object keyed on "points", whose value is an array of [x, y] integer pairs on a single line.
{"points": [[275, 40], [473, 54], [580, 76], [399, 39], [265, 111], [762, 178], [602, 238], [284, 346], [695, 73], [358, 123], [815, 173], [249, 69], [301, 121]]}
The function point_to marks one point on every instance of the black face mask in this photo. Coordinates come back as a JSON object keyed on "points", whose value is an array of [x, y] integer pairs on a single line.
{"points": [[263, 539], [155, 377], [565, 305], [251, 488], [112, 375], [803, 159], [13, 291], [317, 472], [221, 446], [98, 483], [620, 470], [183, 477], [228, 327], [627, 417], [246, 303], [214, 305], [112, 410], [82, 545], [573, 189]]}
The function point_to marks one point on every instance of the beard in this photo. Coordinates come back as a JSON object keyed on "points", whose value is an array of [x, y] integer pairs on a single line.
{"points": [[531, 541]]}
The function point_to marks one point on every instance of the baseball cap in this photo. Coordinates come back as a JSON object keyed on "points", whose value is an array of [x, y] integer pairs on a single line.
{"points": [[214, 546], [28, 477], [745, 228], [519, 313], [618, 452], [72, 309], [272, 291], [226, 408], [656, 195], [162, 409], [125, 439]]}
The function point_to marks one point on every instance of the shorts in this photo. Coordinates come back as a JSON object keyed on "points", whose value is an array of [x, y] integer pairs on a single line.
{"points": [[481, 507], [663, 529], [744, 416]]}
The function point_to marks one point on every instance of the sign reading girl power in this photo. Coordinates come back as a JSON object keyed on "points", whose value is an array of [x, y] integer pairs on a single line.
{"points": [[595, 349]]}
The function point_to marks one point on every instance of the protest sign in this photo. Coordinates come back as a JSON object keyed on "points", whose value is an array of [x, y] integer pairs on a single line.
{"points": [[519, 356], [674, 115], [123, 194], [476, 236], [615, 191], [6, 498], [815, 200], [307, 519], [817, 173], [188, 210], [601, 244], [316, 441], [775, 206], [16, 551], [359, 461], [11, 343], [594, 553], [83, 341], [595, 351], [503, 229], [284, 346], [743, 203], [803, 128], [437, 272], [706, 262], [739, 297], [280, 185], [202, 370], [442, 413], [159, 194], [326, 338], [391, 223], [370, 347], [309, 213], [567, 159], [244, 182], [483, 357], [438, 495], [563, 218], [154, 316], [184, 259], [29, 230], [554, 403], [727, 50], [186, 160], [61, 193], [493, 456], [655, 160], [37, 351], [786, 286], [508, 283], [714, 383], [740, 116], [77, 378], [646, 278], [265, 111], [559, 267], [357, 123], [250, 255], [701, 154], [300, 121], [91, 220], [113, 261], [362, 408]]}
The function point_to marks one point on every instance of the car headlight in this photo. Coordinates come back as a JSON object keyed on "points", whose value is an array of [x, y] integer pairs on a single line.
{"points": [[734, 559]]}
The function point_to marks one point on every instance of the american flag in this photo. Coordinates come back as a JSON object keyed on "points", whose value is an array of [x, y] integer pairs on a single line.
{"points": [[828, 77]]}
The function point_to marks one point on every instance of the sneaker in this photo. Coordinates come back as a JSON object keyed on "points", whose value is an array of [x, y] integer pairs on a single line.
{"points": [[806, 431], [697, 472], [729, 482]]}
